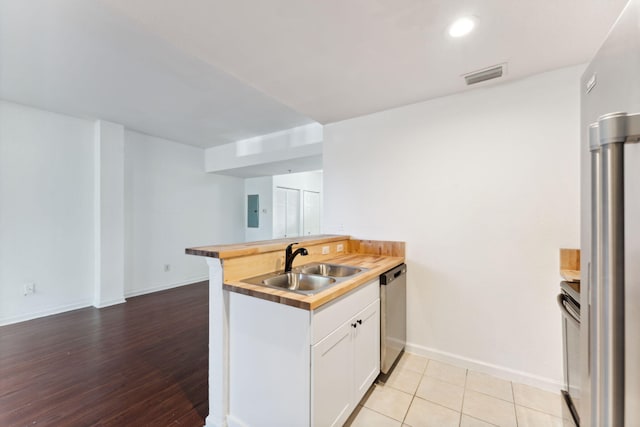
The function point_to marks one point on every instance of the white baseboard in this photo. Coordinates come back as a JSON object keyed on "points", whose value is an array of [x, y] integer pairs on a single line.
{"points": [[487, 368], [109, 303], [152, 289], [43, 313], [230, 421], [234, 422], [90, 302]]}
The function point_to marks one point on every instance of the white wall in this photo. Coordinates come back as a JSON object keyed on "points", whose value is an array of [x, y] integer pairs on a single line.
{"points": [[171, 204], [49, 222], [263, 187], [484, 188], [46, 212], [311, 181]]}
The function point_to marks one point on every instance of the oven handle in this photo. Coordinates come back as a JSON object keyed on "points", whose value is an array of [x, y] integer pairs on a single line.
{"points": [[568, 310]]}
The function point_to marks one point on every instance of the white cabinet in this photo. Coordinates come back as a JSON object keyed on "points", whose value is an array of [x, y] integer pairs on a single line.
{"points": [[366, 361], [332, 378], [345, 364], [292, 367]]}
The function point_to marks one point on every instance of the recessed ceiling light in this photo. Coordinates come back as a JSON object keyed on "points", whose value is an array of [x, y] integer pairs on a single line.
{"points": [[462, 26]]}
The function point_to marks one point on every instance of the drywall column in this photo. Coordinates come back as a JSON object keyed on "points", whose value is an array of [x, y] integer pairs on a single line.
{"points": [[109, 214], [218, 347]]}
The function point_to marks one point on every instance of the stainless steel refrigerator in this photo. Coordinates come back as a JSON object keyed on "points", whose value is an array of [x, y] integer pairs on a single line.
{"points": [[610, 229]]}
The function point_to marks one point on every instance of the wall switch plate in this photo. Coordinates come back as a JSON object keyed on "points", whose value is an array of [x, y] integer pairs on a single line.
{"points": [[167, 268], [339, 248], [325, 250], [29, 289]]}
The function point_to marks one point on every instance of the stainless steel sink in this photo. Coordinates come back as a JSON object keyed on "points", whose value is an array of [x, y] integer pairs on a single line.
{"points": [[307, 279], [332, 270], [294, 282], [299, 281]]}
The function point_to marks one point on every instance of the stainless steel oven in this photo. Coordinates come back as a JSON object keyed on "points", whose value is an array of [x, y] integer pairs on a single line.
{"points": [[569, 302]]}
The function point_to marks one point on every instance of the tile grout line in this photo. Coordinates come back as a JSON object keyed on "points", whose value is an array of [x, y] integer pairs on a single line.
{"points": [[422, 374], [415, 395], [480, 419], [535, 409], [385, 415], [380, 413], [540, 412], [407, 412], [464, 393], [488, 395], [513, 394], [492, 396]]}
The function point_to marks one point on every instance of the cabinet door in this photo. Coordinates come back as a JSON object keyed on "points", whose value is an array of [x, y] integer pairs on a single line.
{"points": [[332, 378], [366, 345]]}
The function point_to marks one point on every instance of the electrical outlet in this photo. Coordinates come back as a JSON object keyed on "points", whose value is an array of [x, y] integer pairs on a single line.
{"points": [[325, 250], [339, 248], [29, 289], [167, 268]]}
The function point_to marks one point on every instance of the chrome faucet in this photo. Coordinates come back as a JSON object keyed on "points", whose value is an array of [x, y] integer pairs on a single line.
{"points": [[289, 256]]}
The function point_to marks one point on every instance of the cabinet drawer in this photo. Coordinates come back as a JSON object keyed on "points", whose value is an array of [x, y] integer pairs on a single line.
{"points": [[328, 317]]}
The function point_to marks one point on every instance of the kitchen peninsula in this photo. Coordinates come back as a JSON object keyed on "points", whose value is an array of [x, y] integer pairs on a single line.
{"points": [[266, 344]]}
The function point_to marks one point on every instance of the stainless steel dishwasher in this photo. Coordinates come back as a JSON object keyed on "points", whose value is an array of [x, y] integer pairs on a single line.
{"points": [[393, 318]]}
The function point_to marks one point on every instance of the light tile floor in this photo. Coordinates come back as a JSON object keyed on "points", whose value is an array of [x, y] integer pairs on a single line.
{"points": [[428, 393]]}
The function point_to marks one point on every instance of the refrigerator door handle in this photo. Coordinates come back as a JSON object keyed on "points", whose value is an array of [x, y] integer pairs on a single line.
{"points": [[568, 310], [611, 310], [608, 378], [594, 285]]}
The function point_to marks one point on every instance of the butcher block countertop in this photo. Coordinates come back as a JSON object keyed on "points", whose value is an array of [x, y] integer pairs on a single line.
{"points": [[570, 264], [245, 260], [252, 248], [375, 263]]}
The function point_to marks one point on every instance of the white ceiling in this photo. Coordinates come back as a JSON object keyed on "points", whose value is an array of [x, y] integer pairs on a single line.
{"points": [[78, 57], [208, 72], [335, 59]]}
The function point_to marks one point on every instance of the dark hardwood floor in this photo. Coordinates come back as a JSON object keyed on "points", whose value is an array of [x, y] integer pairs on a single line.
{"points": [[134, 364]]}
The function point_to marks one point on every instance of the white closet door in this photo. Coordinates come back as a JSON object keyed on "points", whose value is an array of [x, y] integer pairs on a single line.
{"points": [[280, 213], [311, 212], [286, 213], [293, 213]]}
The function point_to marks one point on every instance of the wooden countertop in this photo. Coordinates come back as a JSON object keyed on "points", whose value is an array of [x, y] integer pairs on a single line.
{"points": [[570, 264], [253, 248], [570, 275], [377, 264], [244, 260]]}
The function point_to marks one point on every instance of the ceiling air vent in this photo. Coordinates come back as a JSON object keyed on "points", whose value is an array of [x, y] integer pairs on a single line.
{"points": [[486, 74]]}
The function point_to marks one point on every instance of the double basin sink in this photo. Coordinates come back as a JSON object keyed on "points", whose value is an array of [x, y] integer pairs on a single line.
{"points": [[307, 279]]}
